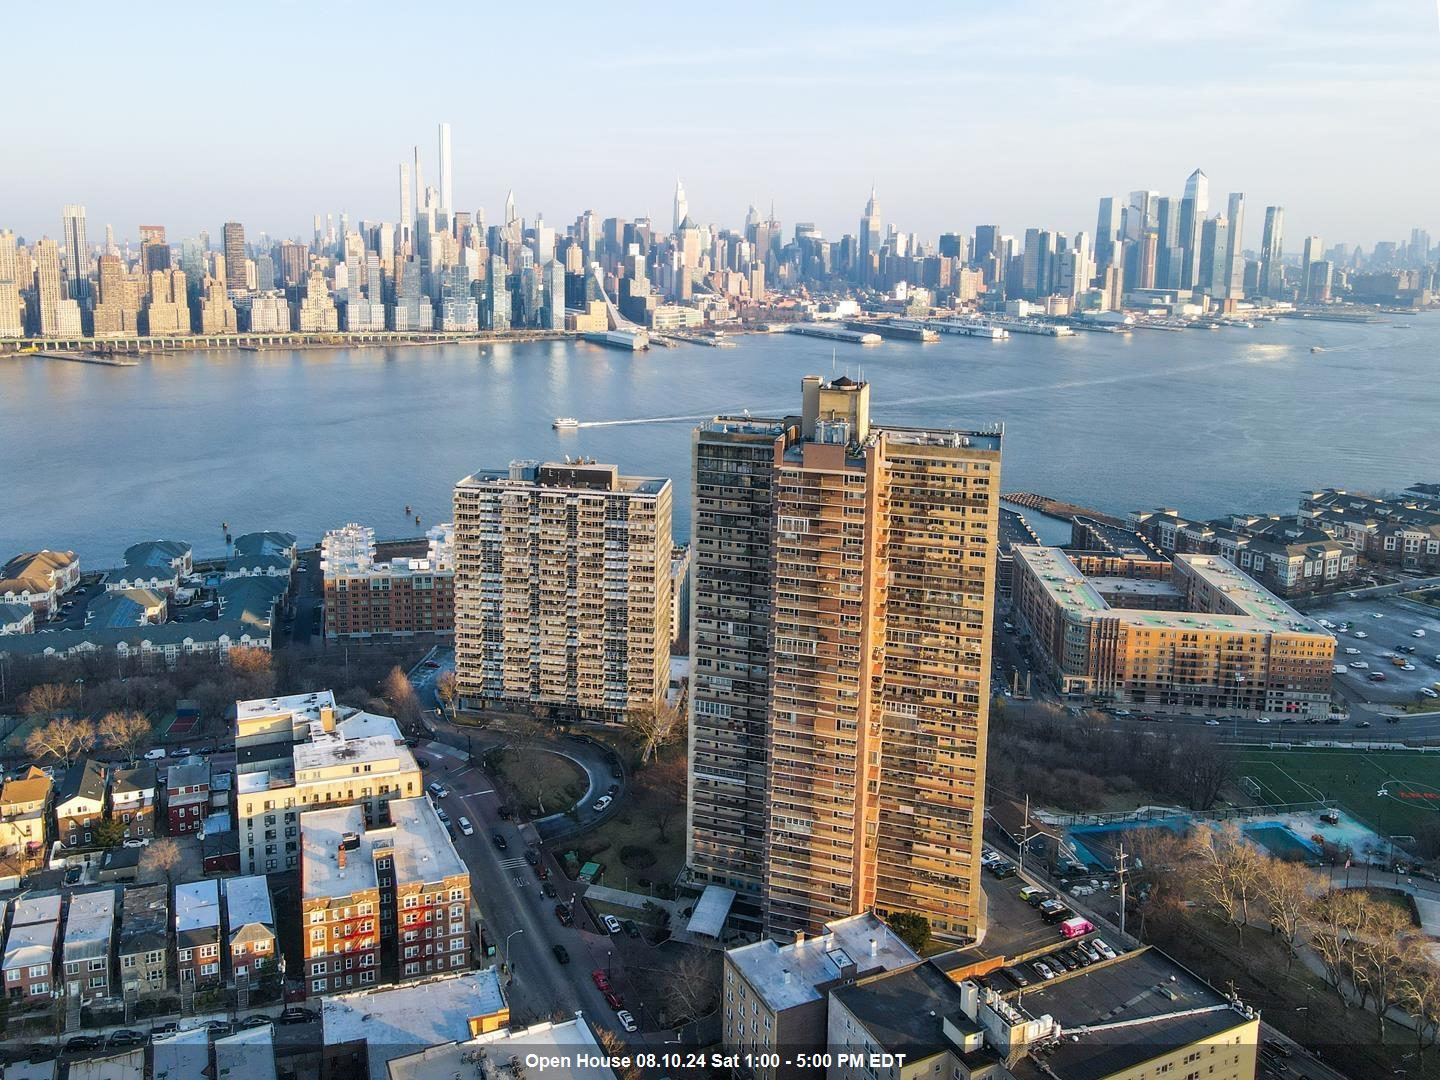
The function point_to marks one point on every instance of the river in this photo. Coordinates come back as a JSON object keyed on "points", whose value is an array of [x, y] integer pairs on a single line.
{"points": [[94, 458]]}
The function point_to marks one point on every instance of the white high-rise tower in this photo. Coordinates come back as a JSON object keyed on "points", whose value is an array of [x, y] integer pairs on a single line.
{"points": [[682, 206], [407, 219], [447, 171]]}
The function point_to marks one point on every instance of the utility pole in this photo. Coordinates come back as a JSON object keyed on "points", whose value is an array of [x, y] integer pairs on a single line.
{"points": [[1024, 832], [1121, 870]]}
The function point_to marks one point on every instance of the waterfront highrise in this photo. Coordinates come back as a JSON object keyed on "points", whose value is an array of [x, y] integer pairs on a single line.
{"points": [[562, 589], [843, 574], [1234, 253], [234, 246], [868, 255], [1272, 272], [12, 308], [57, 314], [1107, 226], [75, 255]]}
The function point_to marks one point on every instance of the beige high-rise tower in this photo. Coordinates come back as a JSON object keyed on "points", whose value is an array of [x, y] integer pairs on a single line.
{"points": [[880, 583], [562, 589]]}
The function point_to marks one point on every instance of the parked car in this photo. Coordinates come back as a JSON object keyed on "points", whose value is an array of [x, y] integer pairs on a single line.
{"points": [[180, 751], [439, 790], [1003, 869], [600, 979], [84, 1042], [256, 1020], [158, 754], [466, 827], [1015, 975], [612, 924], [442, 815], [1043, 970], [217, 1028], [164, 1029], [602, 804], [531, 857], [562, 954], [626, 1020], [630, 928], [1104, 950], [562, 914], [547, 890], [296, 1014], [135, 842], [127, 1037], [614, 1000]]}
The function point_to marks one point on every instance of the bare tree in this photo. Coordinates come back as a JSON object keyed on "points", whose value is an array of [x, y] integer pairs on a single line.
{"points": [[662, 794], [47, 699], [616, 1050], [693, 983], [445, 688], [1334, 918], [65, 738], [1227, 871], [246, 660], [400, 697], [1203, 766], [656, 726], [1417, 991], [1382, 941], [1287, 890], [161, 860], [125, 730]]}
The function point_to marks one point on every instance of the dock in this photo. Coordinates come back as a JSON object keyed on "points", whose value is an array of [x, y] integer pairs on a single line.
{"points": [[969, 328], [1033, 326], [104, 360], [835, 333], [1059, 509], [629, 340], [899, 331]]}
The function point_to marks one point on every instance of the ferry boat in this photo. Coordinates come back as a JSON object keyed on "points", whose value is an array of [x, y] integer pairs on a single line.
{"points": [[564, 423], [1316, 348]]}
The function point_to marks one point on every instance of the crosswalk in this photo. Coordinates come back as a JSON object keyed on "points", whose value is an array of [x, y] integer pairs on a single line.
{"points": [[513, 864]]}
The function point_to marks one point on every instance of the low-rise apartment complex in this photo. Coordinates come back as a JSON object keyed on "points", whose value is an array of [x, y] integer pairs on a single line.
{"points": [[197, 934], [368, 598], [562, 589], [39, 579], [89, 937], [143, 948], [29, 963], [393, 898], [301, 753], [249, 927], [1193, 635]]}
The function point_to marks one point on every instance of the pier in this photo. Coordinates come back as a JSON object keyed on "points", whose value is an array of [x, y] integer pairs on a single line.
{"points": [[103, 359], [1059, 509], [835, 333], [968, 328], [631, 340], [899, 331]]}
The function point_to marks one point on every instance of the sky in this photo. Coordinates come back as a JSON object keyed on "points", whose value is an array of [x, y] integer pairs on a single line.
{"points": [[958, 113]]}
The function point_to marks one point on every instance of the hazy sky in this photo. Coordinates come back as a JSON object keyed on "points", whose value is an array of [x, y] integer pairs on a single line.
{"points": [[960, 113]]}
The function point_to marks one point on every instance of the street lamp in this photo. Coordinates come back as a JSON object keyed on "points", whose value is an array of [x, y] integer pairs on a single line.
{"points": [[508, 962]]}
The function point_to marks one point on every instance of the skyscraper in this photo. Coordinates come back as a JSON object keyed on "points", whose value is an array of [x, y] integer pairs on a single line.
{"points": [[1193, 208], [233, 235], [1036, 271], [1167, 240], [1272, 272], [1212, 275], [407, 218], [1107, 225], [75, 256], [562, 589], [57, 314], [1311, 253], [1197, 190], [12, 308], [1235, 255], [682, 207], [870, 233], [844, 574], [447, 167]]}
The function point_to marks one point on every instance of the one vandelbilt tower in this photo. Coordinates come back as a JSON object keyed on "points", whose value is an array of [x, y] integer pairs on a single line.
{"points": [[843, 576]]}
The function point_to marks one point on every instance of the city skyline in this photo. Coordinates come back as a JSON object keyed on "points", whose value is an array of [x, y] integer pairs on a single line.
{"points": [[1266, 72]]}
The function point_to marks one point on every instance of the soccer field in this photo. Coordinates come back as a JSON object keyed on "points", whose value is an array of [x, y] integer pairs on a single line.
{"points": [[1354, 780]]}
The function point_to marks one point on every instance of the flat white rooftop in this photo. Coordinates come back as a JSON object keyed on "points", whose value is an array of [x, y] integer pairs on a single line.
{"points": [[247, 900], [788, 975], [406, 1019], [321, 834], [306, 704], [423, 850], [565, 1040], [90, 921], [197, 905]]}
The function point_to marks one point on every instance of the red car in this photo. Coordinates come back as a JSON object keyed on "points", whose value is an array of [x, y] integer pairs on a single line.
{"points": [[602, 983], [614, 1000], [542, 872]]}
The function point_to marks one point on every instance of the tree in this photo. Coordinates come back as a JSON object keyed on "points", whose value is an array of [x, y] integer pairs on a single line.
{"points": [[446, 688], [1203, 766], [248, 661], [1286, 889], [125, 730], [692, 984], [655, 726], [616, 1050], [1418, 993], [47, 699], [161, 860], [910, 927], [109, 832], [662, 793], [1226, 873], [1333, 919], [400, 697], [65, 738]]}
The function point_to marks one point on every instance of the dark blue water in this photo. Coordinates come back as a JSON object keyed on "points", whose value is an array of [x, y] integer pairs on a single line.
{"points": [[94, 458]]}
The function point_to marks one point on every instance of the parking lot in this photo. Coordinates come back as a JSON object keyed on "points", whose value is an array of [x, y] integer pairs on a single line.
{"points": [[1388, 625]]}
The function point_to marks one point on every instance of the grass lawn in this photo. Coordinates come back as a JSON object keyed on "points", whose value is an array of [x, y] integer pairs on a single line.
{"points": [[632, 827], [1353, 779], [539, 779]]}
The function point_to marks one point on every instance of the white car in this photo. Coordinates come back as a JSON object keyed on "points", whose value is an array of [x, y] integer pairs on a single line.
{"points": [[180, 751], [612, 924], [466, 827], [1212, 722], [1407, 667], [1262, 720], [1361, 634], [135, 842], [1359, 665], [1428, 692], [626, 1020], [1417, 633], [158, 754], [439, 790], [603, 802], [1104, 950], [1043, 970], [1350, 650], [1376, 615]]}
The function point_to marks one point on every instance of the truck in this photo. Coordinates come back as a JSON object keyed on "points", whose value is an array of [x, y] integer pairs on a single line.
{"points": [[1076, 927]]}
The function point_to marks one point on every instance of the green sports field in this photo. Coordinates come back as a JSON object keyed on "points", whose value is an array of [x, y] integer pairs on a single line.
{"points": [[1352, 779]]}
